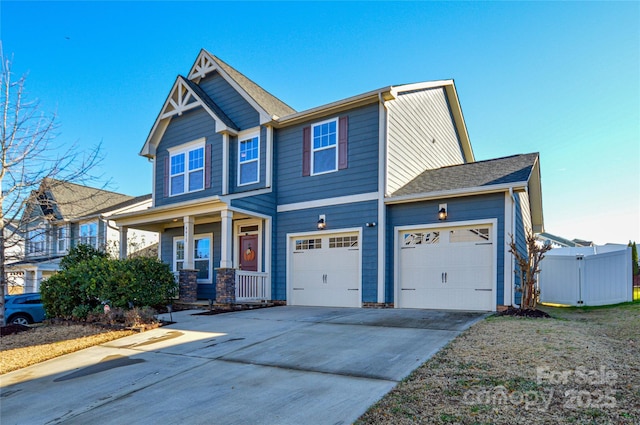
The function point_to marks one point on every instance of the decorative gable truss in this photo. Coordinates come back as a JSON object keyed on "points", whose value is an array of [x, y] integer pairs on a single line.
{"points": [[184, 96], [182, 99]]}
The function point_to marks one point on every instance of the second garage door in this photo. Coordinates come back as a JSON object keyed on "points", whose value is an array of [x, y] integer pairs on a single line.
{"points": [[325, 270], [446, 268]]}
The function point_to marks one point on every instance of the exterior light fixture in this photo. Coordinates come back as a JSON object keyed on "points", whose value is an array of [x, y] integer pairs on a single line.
{"points": [[371, 224], [442, 212], [321, 222]]}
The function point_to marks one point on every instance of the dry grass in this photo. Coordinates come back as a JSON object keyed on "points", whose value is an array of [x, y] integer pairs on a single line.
{"points": [[48, 341], [489, 375]]}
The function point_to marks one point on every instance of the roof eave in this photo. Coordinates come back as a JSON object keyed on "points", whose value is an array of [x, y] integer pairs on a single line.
{"points": [[337, 106], [455, 193]]}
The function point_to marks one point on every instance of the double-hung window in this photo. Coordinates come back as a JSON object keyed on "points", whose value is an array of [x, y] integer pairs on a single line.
{"points": [[89, 234], [37, 240], [248, 159], [187, 170], [61, 239], [324, 149], [201, 256]]}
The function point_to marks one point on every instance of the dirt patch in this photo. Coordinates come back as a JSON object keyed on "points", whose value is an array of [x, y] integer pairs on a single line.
{"points": [[519, 312], [580, 366], [13, 329]]}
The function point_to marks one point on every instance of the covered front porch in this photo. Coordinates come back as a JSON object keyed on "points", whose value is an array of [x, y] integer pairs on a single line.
{"points": [[216, 251]]}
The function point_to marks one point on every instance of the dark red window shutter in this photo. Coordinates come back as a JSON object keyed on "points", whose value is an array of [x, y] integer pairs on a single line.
{"points": [[306, 151], [343, 150], [207, 166], [166, 176]]}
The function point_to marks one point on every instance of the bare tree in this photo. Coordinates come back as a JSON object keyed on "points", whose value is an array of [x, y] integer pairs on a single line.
{"points": [[27, 157], [528, 269]]}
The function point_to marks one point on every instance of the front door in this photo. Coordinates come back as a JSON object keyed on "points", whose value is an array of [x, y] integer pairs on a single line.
{"points": [[248, 253]]}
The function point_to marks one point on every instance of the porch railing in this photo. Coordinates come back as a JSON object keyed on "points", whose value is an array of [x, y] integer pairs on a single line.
{"points": [[251, 286]]}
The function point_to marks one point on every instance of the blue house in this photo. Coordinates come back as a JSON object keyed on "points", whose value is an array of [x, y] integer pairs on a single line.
{"points": [[373, 200]]}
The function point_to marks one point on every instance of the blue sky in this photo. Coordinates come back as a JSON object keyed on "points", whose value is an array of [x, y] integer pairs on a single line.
{"points": [[559, 78]]}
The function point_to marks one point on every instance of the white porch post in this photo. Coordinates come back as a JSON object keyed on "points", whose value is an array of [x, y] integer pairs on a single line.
{"points": [[37, 280], [123, 242], [226, 258], [188, 243]]}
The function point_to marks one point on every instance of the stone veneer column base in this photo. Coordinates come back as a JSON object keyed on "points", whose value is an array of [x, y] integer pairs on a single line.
{"points": [[226, 286], [188, 284]]}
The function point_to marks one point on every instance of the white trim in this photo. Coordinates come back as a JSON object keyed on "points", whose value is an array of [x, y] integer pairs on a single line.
{"points": [[290, 236], [195, 237], [66, 238], [327, 202], [246, 136], [269, 157], [153, 180], [267, 254], [441, 194], [249, 213], [382, 209], [334, 146], [186, 149], [225, 163], [236, 238], [248, 194], [494, 236], [508, 257]]}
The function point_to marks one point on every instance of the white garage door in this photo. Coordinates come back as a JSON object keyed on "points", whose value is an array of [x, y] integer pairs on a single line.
{"points": [[447, 268], [325, 270]]}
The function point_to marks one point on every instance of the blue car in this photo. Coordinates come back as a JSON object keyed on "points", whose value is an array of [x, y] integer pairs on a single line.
{"points": [[23, 309]]}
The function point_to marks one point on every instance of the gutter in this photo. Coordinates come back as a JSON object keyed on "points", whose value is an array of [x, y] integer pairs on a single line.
{"points": [[454, 193]]}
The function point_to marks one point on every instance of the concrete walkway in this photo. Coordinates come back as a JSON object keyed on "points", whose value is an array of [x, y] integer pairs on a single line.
{"points": [[281, 365]]}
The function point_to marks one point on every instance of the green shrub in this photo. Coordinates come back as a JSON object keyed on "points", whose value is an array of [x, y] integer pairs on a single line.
{"points": [[91, 279]]}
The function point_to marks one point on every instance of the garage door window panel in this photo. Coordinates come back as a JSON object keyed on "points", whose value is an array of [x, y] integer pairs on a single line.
{"points": [[470, 235]]}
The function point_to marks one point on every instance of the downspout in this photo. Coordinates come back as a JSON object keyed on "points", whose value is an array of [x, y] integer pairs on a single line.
{"points": [[513, 232]]}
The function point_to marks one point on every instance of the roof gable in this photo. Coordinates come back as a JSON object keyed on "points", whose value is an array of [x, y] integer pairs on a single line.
{"points": [[268, 106], [184, 96], [60, 200]]}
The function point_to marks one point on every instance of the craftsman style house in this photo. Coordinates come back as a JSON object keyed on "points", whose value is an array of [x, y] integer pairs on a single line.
{"points": [[60, 215], [376, 199]]}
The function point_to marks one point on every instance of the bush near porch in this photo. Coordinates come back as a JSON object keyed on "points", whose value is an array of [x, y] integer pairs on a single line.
{"points": [[88, 280]]}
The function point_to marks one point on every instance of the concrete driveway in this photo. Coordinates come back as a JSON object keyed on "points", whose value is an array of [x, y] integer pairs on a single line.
{"points": [[281, 365]]}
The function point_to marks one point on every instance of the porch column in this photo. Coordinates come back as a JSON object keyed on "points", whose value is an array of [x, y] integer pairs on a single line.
{"points": [[188, 243], [226, 257], [123, 242]]}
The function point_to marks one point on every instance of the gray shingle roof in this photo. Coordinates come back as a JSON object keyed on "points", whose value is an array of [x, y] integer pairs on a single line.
{"points": [[71, 201], [271, 104], [510, 169], [210, 103]]}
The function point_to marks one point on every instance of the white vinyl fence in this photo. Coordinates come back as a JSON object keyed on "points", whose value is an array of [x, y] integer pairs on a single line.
{"points": [[598, 275]]}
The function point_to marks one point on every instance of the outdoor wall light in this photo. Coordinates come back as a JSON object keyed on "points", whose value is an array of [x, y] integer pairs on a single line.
{"points": [[321, 222], [442, 212], [372, 224]]}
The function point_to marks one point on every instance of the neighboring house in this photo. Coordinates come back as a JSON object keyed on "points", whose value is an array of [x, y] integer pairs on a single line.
{"points": [[560, 242], [61, 215], [13, 252], [367, 201]]}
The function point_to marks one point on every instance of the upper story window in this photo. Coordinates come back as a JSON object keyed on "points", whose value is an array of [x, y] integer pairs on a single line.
{"points": [[36, 240], [89, 234], [325, 146], [248, 159], [61, 239], [187, 169], [324, 150]]}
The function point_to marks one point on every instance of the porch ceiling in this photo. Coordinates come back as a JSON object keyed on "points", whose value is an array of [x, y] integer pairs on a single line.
{"points": [[156, 219]]}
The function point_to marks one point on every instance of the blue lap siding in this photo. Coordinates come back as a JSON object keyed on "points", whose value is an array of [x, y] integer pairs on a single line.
{"points": [[338, 217], [361, 176], [477, 207], [230, 101]]}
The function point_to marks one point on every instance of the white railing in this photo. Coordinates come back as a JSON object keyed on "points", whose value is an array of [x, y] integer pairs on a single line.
{"points": [[251, 286]]}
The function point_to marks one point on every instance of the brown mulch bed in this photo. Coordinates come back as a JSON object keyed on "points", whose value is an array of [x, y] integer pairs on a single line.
{"points": [[13, 329], [519, 312]]}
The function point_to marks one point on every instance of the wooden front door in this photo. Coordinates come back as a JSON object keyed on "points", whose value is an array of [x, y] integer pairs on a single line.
{"points": [[249, 253]]}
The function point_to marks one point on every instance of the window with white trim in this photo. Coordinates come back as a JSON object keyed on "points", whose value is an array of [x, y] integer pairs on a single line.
{"points": [[186, 170], [61, 239], [89, 234], [324, 147], [248, 159], [202, 256], [36, 240]]}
